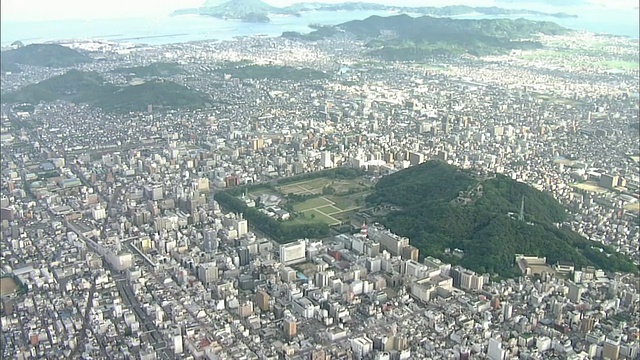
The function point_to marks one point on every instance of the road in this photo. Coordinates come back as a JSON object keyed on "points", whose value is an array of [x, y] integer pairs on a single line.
{"points": [[147, 325], [85, 321]]}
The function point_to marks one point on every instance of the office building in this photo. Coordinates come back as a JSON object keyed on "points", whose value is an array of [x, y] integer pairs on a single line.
{"points": [[262, 299], [293, 253], [207, 273], [361, 346], [290, 327], [608, 181], [325, 159], [575, 292], [495, 351], [611, 347]]}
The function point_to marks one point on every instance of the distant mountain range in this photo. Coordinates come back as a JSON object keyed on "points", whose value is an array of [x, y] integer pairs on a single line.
{"points": [[89, 87], [47, 55], [406, 38], [259, 11]]}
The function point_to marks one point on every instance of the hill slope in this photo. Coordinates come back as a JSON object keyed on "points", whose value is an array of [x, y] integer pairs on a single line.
{"points": [[90, 87], [48, 55], [485, 229], [402, 37]]}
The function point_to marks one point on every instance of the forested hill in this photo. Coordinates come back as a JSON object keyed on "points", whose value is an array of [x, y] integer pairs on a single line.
{"points": [[406, 38], [91, 88], [47, 55], [445, 207]]}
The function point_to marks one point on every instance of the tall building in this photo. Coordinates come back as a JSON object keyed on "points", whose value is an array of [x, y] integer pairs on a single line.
{"points": [[244, 256], [611, 348], [410, 252], [495, 351], [241, 225], [177, 340], [290, 327], [325, 159], [210, 242], [293, 253], [153, 192], [466, 279], [608, 181], [575, 292], [208, 273], [416, 158], [389, 241], [361, 346], [262, 299], [507, 311]]}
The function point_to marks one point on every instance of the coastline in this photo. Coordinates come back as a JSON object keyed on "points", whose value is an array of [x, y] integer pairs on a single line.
{"points": [[188, 28]]}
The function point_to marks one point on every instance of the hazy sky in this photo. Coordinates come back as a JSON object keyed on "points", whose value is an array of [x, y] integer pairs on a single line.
{"points": [[33, 10]]}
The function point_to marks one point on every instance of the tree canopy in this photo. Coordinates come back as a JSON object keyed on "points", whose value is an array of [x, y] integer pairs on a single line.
{"points": [[486, 226]]}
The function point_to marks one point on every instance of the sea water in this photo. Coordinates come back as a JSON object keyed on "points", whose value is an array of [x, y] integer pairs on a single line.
{"points": [[185, 28]]}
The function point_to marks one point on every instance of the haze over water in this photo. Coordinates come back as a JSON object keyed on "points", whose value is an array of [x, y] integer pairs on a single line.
{"points": [[163, 29]]}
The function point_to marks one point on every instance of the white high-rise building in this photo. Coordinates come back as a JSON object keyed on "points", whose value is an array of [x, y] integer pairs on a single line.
{"points": [[241, 225], [325, 159], [178, 347], [361, 346], [495, 351], [293, 253]]}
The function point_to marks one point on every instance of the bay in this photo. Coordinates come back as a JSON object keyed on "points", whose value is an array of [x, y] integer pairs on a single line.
{"points": [[177, 29]]}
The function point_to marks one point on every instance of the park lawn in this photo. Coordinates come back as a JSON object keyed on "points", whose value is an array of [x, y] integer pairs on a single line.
{"points": [[289, 189], [312, 186], [320, 216], [343, 186], [318, 183], [329, 209], [349, 201], [311, 204]]}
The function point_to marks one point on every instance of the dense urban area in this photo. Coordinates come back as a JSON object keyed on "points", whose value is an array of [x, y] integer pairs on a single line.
{"points": [[245, 227]]}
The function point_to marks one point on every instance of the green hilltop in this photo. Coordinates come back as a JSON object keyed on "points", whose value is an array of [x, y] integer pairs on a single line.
{"points": [[47, 55], [442, 207], [89, 87], [406, 38]]}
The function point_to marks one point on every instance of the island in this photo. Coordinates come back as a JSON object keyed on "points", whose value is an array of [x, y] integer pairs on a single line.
{"points": [[406, 38], [259, 11], [255, 18], [490, 218]]}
